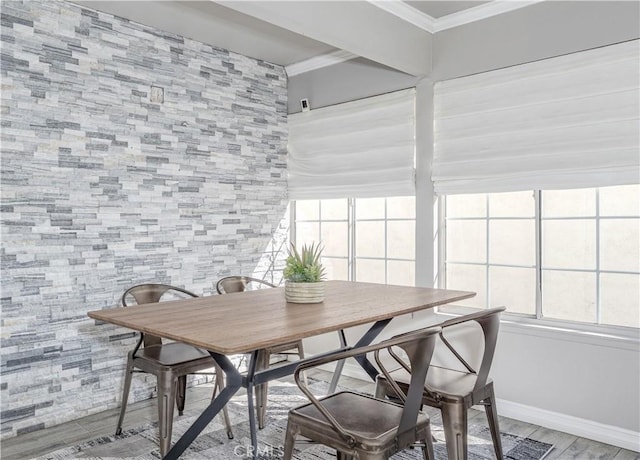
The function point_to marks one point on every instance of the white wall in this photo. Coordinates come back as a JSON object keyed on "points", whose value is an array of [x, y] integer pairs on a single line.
{"points": [[578, 383], [539, 31]]}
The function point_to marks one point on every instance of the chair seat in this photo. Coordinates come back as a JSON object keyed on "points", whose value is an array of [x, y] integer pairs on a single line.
{"points": [[171, 354], [369, 420], [448, 383]]}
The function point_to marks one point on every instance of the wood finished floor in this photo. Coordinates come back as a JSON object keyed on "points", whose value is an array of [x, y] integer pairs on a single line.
{"points": [[39, 443]]}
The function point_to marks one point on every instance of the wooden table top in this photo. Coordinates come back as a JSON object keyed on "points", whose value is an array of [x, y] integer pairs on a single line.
{"points": [[247, 321]]}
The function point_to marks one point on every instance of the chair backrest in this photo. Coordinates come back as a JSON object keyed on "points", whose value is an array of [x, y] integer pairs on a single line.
{"points": [[152, 293], [456, 330], [418, 346], [232, 284]]}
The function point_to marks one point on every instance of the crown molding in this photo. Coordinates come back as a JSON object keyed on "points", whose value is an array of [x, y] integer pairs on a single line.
{"points": [[419, 19], [407, 13], [317, 62], [425, 22], [480, 12]]}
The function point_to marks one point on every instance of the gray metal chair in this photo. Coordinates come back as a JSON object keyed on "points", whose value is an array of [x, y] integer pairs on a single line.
{"points": [[169, 362], [362, 427], [455, 389], [231, 284]]}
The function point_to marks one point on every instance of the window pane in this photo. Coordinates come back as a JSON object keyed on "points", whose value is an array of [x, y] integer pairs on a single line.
{"points": [[569, 203], [514, 288], [468, 278], [512, 242], [335, 239], [337, 269], [401, 207], [514, 204], [401, 239], [371, 271], [401, 273], [569, 244], [569, 295], [467, 205], [369, 208], [370, 239], [620, 244], [620, 299], [623, 200], [467, 241], [307, 210], [307, 233], [334, 209]]}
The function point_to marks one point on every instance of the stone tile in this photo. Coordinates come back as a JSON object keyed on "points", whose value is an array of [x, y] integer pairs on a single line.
{"points": [[36, 443], [625, 454], [586, 449], [561, 441]]}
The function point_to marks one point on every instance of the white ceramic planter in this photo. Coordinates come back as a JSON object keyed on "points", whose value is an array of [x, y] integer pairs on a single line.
{"points": [[304, 292]]}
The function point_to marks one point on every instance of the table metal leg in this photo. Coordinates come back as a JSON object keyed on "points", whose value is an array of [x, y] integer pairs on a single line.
{"points": [[249, 380], [365, 340], [339, 366], [234, 382]]}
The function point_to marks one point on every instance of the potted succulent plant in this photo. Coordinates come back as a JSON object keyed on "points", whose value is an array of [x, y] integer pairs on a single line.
{"points": [[303, 274]]}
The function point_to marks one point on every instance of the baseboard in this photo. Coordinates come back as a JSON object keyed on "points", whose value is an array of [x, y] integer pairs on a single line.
{"points": [[608, 434]]}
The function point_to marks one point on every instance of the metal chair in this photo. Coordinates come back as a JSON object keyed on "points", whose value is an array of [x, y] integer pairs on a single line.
{"points": [[456, 388], [231, 284], [362, 427], [170, 362]]}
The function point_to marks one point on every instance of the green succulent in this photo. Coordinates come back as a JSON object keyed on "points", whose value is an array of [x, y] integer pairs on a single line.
{"points": [[304, 266]]}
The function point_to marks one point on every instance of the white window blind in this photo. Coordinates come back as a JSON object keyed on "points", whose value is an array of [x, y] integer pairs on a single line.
{"points": [[567, 122], [356, 149]]}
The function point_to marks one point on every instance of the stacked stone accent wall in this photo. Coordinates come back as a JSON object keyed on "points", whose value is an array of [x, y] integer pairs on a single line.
{"points": [[103, 188]]}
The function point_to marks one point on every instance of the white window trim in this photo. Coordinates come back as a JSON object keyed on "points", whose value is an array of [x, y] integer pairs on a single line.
{"points": [[626, 338]]}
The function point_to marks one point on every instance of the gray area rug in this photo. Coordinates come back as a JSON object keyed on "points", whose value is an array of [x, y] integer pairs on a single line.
{"points": [[141, 443]]}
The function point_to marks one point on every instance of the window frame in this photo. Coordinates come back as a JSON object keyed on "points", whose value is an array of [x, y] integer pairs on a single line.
{"points": [[604, 331], [352, 233]]}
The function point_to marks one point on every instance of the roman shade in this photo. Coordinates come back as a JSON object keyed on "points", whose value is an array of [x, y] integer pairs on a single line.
{"points": [[567, 122], [356, 149]]}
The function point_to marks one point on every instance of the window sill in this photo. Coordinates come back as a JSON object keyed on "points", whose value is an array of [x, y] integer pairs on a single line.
{"points": [[604, 336]]}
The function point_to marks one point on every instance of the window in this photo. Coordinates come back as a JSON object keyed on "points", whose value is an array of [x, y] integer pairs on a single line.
{"points": [[558, 254], [325, 221], [364, 239]]}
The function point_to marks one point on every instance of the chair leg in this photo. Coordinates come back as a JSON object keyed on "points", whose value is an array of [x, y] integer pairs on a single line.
{"points": [[381, 389], [301, 356], [289, 441], [181, 393], [454, 421], [167, 384], [262, 389], [492, 418], [427, 449], [128, 374], [219, 385]]}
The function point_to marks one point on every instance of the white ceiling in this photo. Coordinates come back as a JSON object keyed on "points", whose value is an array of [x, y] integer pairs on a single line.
{"points": [[311, 33], [438, 9]]}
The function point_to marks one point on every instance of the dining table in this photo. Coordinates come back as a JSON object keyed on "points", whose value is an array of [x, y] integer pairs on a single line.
{"points": [[250, 321]]}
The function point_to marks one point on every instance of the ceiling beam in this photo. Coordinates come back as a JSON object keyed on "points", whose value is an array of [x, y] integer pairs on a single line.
{"points": [[383, 37]]}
